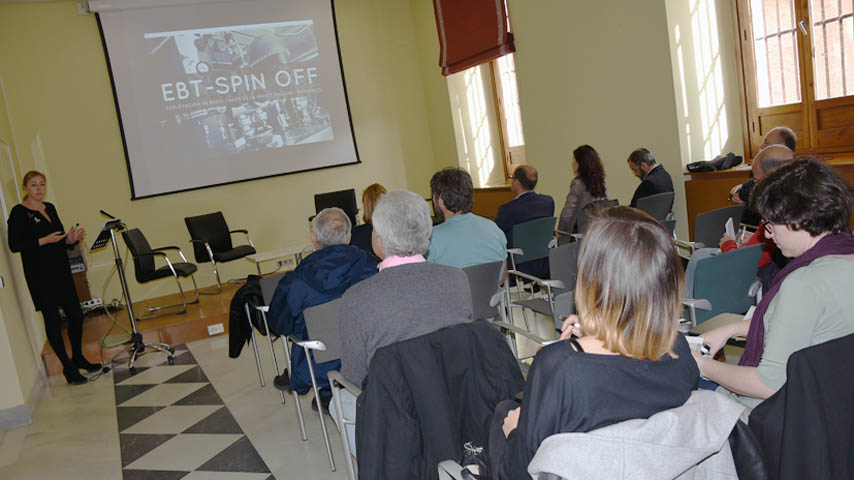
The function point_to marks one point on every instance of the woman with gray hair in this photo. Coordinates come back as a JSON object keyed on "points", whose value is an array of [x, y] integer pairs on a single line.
{"points": [[409, 297]]}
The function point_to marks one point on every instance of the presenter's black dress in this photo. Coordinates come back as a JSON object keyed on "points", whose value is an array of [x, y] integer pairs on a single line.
{"points": [[49, 280]]}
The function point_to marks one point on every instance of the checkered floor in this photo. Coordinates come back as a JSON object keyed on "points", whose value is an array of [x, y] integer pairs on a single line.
{"points": [[174, 425]]}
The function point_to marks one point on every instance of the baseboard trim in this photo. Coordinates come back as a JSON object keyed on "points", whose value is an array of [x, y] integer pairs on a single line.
{"points": [[15, 417]]}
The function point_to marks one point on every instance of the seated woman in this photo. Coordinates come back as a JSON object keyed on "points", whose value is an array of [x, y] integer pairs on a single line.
{"points": [[361, 235], [630, 362], [587, 186], [805, 206]]}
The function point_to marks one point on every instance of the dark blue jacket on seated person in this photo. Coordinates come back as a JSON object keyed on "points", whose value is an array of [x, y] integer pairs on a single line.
{"points": [[322, 277], [524, 208]]}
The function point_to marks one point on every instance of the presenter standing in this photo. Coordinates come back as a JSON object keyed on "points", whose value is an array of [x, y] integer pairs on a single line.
{"points": [[36, 231]]}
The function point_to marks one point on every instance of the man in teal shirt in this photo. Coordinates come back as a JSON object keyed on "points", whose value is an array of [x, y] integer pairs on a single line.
{"points": [[463, 239]]}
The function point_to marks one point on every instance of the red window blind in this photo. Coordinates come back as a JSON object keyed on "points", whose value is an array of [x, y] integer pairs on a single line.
{"points": [[471, 32]]}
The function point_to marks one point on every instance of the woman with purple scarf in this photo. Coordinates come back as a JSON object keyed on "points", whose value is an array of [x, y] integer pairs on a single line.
{"points": [[806, 206]]}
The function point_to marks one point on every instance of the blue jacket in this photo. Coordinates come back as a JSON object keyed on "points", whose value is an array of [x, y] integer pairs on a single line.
{"points": [[529, 206], [322, 277]]}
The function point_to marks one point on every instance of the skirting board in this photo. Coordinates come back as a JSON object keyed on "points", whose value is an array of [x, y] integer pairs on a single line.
{"points": [[15, 417]]}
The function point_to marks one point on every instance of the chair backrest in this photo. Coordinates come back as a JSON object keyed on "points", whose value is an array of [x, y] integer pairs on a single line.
{"points": [[143, 265], [709, 226], [657, 206], [724, 280], [268, 286], [210, 228], [343, 199], [321, 322], [563, 261], [483, 281], [533, 238], [590, 209]]}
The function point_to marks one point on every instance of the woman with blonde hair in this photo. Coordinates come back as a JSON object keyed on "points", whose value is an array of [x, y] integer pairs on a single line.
{"points": [[35, 230], [361, 235], [629, 362]]}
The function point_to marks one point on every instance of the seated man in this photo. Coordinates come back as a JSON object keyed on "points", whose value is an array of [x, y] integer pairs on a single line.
{"points": [[322, 277], [654, 178], [408, 298], [528, 205], [463, 239]]}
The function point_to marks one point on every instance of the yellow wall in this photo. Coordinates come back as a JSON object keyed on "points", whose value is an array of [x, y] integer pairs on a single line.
{"points": [[704, 73], [596, 73]]}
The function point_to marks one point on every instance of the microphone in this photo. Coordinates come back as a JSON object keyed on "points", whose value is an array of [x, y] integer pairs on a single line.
{"points": [[106, 214]]}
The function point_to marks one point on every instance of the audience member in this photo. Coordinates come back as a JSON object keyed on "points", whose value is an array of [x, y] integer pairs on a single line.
{"points": [[630, 362], [588, 186], [528, 205], [322, 277], [767, 160], [409, 297], [654, 178], [776, 136], [463, 239], [806, 207], [361, 235]]}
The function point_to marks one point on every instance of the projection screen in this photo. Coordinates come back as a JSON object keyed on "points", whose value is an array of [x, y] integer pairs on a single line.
{"points": [[214, 92]]}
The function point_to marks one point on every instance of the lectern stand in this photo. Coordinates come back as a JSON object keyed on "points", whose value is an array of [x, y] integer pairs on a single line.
{"points": [[137, 346]]}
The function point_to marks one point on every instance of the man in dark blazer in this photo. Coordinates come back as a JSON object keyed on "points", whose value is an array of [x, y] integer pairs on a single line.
{"points": [[654, 178], [528, 204]]}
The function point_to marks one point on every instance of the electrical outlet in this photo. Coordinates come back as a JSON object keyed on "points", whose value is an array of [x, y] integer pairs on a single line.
{"points": [[284, 262], [215, 328]]}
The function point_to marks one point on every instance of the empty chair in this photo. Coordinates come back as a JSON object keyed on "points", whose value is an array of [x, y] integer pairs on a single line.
{"points": [[558, 302], [268, 288], [657, 206], [484, 281], [724, 284], [211, 240], [710, 226], [145, 268], [343, 199], [531, 240]]}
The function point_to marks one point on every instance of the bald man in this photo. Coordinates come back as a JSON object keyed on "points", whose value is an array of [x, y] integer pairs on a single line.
{"points": [[776, 136], [528, 205]]}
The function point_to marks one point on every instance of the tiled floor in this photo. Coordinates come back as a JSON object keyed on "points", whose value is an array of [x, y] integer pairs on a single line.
{"points": [[206, 417]]}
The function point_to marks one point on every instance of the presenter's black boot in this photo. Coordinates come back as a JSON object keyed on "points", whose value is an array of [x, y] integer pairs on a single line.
{"points": [[73, 377], [81, 362]]}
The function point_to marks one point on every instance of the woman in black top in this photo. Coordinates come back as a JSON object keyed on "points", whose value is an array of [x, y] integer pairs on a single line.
{"points": [[630, 361], [36, 231], [360, 235]]}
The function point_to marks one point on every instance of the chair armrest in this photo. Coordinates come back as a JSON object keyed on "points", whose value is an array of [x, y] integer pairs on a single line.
{"points": [[151, 253], [561, 232], [515, 251], [700, 303], [308, 344], [521, 331], [336, 377], [263, 308], [547, 283], [245, 232], [170, 247], [239, 231], [685, 244], [450, 470]]}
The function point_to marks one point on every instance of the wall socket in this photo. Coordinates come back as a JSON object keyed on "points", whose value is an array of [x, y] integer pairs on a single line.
{"points": [[215, 328], [285, 262]]}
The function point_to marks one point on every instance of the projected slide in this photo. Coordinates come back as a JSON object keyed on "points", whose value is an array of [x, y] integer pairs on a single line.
{"points": [[229, 101]]}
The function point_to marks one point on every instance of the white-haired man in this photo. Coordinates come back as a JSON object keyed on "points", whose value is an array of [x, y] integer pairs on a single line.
{"points": [[322, 277], [409, 297]]}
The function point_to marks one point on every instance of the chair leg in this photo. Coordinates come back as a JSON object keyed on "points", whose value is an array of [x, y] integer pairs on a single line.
{"points": [[320, 411], [254, 345], [296, 395], [342, 430], [272, 352], [218, 284]]}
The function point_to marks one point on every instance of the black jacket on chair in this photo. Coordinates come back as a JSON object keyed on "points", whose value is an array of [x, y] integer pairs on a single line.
{"points": [[239, 329], [806, 429], [424, 398]]}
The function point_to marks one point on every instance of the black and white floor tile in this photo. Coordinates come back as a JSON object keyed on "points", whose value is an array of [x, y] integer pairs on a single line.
{"points": [[174, 425]]}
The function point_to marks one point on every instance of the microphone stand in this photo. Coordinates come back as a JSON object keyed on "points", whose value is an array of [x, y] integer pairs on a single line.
{"points": [[138, 346]]}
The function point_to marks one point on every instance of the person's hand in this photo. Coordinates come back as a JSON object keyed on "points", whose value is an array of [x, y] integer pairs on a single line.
{"points": [[511, 421], [75, 234], [733, 194], [52, 238], [724, 239], [570, 327], [715, 340]]}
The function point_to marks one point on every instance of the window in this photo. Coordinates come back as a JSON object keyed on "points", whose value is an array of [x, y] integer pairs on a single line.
{"points": [[797, 61], [509, 113]]}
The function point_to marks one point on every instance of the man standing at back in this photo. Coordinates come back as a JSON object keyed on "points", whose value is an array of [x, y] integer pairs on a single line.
{"points": [[463, 239], [654, 178]]}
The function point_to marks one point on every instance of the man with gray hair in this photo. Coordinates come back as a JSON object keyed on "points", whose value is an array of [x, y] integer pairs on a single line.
{"points": [[409, 297], [322, 277]]}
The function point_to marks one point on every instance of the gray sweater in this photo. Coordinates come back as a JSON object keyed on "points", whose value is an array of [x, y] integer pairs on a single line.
{"points": [[396, 304]]}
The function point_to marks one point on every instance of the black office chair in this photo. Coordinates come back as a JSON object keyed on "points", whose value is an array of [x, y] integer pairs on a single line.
{"points": [[211, 241], [146, 270], [343, 199]]}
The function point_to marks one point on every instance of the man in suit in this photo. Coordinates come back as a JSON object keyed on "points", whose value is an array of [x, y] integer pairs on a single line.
{"points": [[528, 204], [654, 178]]}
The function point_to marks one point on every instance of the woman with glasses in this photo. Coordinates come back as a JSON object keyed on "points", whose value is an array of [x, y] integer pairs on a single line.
{"points": [[806, 207]]}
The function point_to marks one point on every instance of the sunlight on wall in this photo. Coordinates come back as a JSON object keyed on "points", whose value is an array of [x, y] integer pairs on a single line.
{"points": [[680, 60], [478, 126], [710, 88]]}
